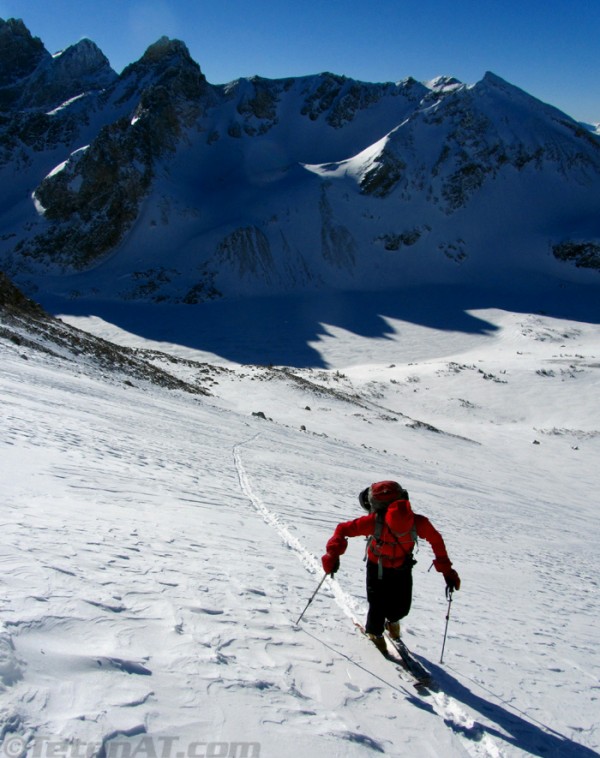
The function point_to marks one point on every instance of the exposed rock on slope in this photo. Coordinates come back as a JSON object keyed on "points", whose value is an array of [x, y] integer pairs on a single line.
{"points": [[156, 184], [25, 323]]}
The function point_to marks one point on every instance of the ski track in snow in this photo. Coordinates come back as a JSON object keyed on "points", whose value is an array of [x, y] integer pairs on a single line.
{"points": [[133, 626], [147, 587], [476, 742]]}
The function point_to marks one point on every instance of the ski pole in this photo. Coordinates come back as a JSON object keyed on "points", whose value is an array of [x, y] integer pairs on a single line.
{"points": [[449, 594], [312, 598]]}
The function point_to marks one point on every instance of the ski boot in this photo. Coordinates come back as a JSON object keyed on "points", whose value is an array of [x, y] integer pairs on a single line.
{"points": [[379, 642]]}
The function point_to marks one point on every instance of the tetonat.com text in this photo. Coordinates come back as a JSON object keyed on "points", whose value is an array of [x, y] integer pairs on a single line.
{"points": [[15, 746]]}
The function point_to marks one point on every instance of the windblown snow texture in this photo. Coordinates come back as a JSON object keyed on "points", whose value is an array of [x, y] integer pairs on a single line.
{"points": [[161, 538]]}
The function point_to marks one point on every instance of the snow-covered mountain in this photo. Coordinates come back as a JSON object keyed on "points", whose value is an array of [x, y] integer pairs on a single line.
{"points": [[32, 79], [157, 185]]}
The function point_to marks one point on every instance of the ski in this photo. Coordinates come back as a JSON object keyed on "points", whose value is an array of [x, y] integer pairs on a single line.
{"points": [[412, 665], [419, 676]]}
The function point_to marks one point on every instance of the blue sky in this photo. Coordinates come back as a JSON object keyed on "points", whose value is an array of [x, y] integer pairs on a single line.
{"points": [[551, 48]]}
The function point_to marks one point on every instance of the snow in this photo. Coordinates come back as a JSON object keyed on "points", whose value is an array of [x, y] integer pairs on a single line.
{"points": [[39, 208], [292, 187], [67, 103], [74, 157], [159, 546], [57, 169]]}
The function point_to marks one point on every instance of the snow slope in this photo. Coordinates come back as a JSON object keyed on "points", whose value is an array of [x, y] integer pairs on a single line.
{"points": [[159, 547]]}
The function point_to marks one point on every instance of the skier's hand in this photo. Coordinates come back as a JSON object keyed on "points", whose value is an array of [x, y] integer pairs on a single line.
{"points": [[452, 580], [331, 563], [337, 545]]}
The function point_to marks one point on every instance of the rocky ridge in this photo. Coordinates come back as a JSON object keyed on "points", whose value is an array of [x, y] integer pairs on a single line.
{"points": [[267, 185], [25, 324]]}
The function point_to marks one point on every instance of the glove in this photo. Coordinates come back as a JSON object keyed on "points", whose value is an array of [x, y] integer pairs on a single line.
{"points": [[452, 580], [337, 545], [331, 563]]}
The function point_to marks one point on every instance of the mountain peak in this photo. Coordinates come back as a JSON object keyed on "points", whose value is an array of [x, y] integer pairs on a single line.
{"points": [[20, 52], [83, 60], [15, 27], [164, 55], [491, 78], [493, 81], [165, 48], [444, 83], [85, 49], [30, 76], [80, 68]]}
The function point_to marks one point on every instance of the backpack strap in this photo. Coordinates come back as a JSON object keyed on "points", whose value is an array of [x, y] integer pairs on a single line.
{"points": [[414, 537], [375, 538]]}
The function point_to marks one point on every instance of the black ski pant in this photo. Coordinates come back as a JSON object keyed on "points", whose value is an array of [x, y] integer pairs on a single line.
{"points": [[389, 596]]}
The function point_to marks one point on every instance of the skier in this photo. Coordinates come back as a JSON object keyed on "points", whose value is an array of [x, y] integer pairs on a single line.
{"points": [[393, 529]]}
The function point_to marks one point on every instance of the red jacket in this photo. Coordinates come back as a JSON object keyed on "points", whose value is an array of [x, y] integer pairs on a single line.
{"points": [[396, 541]]}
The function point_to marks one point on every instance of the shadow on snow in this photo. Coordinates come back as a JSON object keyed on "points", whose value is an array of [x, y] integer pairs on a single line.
{"points": [[532, 738], [286, 329]]}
